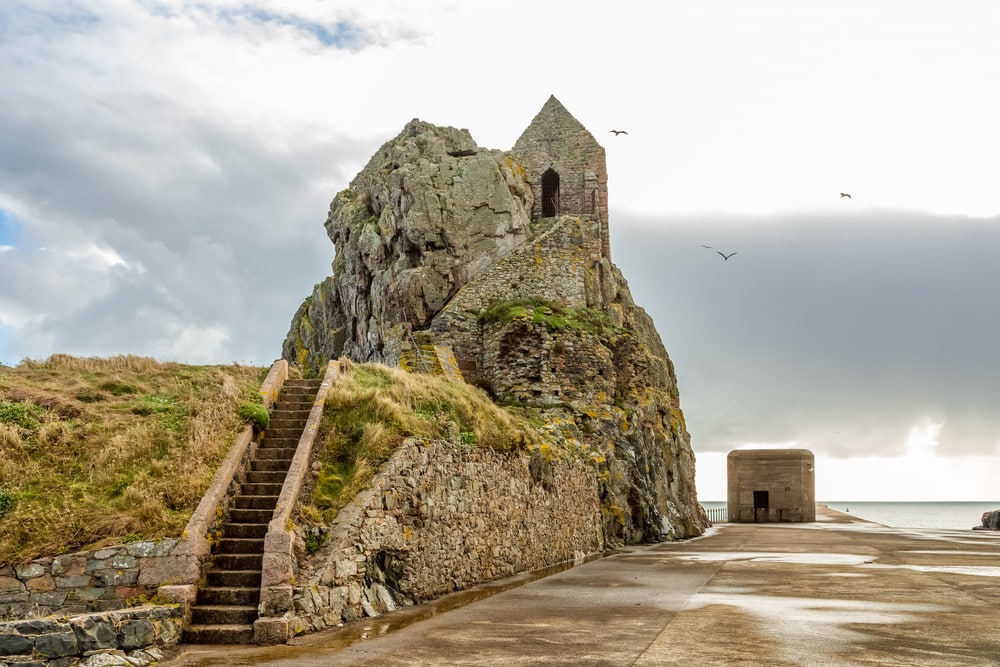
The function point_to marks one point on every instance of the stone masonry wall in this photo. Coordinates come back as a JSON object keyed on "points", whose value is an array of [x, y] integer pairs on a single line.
{"points": [[91, 639], [442, 517], [556, 266], [86, 581]]}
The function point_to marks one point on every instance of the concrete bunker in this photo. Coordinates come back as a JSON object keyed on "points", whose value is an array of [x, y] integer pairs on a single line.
{"points": [[771, 485]]}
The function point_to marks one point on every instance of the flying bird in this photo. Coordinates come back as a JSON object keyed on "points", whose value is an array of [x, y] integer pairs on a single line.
{"points": [[844, 194], [617, 132], [706, 246], [725, 256]]}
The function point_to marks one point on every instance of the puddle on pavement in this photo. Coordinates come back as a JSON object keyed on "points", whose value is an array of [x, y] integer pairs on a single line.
{"points": [[776, 557], [815, 619]]}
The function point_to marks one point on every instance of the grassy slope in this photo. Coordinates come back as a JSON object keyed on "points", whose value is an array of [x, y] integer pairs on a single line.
{"points": [[99, 451]]}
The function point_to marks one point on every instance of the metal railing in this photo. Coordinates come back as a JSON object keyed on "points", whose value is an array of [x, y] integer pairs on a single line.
{"points": [[717, 514]]}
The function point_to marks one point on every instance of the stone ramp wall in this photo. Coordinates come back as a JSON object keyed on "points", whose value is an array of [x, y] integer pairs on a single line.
{"points": [[91, 639], [86, 581], [442, 517]]}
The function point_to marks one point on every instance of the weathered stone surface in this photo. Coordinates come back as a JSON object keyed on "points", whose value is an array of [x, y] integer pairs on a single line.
{"points": [[991, 520], [56, 645], [15, 644], [428, 237], [428, 212], [94, 633]]}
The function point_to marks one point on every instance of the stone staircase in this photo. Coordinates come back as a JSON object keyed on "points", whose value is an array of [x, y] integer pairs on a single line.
{"points": [[421, 354], [226, 607]]}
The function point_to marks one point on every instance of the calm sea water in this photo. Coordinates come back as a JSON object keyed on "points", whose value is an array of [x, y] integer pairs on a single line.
{"points": [[955, 515]]}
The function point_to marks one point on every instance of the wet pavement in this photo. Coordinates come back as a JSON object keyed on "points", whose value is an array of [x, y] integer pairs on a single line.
{"points": [[839, 591]]}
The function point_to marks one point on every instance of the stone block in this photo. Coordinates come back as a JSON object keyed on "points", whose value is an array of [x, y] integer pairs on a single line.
{"points": [[72, 581], [48, 598], [123, 562], [42, 583], [29, 570], [184, 595], [15, 644], [11, 585], [152, 548], [89, 594], [271, 631], [112, 577], [115, 659], [275, 600], [70, 565], [94, 633], [104, 554], [56, 645], [169, 570], [136, 633]]}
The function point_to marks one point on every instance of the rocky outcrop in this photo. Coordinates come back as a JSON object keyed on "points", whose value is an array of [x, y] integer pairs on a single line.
{"points": [[990, 521], [435, 237], [428, 212]]}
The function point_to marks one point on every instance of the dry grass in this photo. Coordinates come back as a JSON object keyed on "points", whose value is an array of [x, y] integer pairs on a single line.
{"points": [[94, 451], [372, 410]]}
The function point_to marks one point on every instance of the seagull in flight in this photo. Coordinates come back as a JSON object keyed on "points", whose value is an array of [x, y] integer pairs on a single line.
{"points": [[617, 132], [845, 194], [724, 255]]}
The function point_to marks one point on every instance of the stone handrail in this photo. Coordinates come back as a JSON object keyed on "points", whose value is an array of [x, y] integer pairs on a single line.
{"points": [[279, 560], [181, 580]]}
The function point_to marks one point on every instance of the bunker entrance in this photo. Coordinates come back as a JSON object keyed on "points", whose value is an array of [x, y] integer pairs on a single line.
{"points": [[760, 502], [550, 193]]}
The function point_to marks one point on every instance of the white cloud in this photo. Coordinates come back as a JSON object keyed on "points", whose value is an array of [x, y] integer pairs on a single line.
{"points": [[176, 158]]}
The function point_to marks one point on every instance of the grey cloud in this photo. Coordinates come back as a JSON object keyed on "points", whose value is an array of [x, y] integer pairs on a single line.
{"points": [[840, 332]]}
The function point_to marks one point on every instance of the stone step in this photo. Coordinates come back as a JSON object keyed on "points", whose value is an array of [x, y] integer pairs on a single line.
{"points": [[254, 502], [219, 634], [228, 595], [258, 489], [266, 476], [281, 421], [274, 465], [276, 453], [244, 530], [237, 561], [291, 433], [251, 515], [240, 545], [221, 614], [280, 443], [233, 578]]}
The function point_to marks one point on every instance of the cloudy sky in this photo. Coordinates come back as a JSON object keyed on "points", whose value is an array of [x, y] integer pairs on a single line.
{"points": [[166, 167]]}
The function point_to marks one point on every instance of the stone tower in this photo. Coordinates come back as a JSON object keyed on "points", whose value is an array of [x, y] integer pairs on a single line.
{"points": [[566, 168]]}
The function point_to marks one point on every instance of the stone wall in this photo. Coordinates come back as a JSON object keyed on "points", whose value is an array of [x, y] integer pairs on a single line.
{"points": [[557, 266], [558, 141], [86, 581], [91, 639], [442, 517]]}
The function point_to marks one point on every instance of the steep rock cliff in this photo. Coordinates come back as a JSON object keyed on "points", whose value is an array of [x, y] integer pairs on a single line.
{"points": [[434, 240]]}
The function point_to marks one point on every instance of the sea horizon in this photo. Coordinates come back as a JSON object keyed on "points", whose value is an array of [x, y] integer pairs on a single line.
{"points": [[943, 515]]}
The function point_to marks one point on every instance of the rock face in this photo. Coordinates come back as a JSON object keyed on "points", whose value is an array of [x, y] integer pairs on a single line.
{"points": [[991, 520], [503, 260]]}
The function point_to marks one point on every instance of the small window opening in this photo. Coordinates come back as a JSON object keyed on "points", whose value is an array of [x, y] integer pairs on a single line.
{"points": [[550, 193]]}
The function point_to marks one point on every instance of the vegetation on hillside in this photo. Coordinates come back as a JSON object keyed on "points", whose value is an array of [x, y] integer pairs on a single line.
{"points": [[555, 315], [96, 451], [371, 411]]}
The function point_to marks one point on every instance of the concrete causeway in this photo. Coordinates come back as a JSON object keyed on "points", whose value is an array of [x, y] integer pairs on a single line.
{"points": [[838, 591]]}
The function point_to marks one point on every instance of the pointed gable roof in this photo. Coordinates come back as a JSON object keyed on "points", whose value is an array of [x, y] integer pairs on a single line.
{"points": [[551, 125]]}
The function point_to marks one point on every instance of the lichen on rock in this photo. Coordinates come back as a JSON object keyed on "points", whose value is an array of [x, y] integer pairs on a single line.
{"points": [[435, 233]]}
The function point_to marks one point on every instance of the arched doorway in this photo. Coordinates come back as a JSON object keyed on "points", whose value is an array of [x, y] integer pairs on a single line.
{"points": [[550, 193]]}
